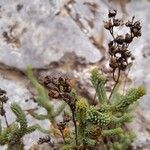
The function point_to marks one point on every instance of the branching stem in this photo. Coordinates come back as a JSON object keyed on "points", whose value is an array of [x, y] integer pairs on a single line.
{"points": [[75, 126], [6, 120], [116, 82], [125, 82], [5, 117], [63, 136]]}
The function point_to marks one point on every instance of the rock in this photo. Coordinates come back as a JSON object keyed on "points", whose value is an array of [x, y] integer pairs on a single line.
{"points": [[141, 128], [35, 35]]}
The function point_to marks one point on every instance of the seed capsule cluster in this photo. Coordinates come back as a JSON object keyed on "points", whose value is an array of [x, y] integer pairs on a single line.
{"points": [[60, 88], [118, 47], [57, 86], [3, 99], [46, 139]]}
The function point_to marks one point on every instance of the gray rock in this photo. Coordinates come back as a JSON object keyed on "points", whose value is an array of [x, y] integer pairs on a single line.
{"points": [[34, 35]]}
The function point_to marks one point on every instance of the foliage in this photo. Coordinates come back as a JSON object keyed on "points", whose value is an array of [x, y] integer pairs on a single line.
{"points": [[105, 121], [13, 134]]}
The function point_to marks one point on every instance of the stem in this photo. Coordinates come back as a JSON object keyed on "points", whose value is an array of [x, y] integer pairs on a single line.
{"points": [[125, 81], [94, 96], [75, 126], [114, 75], [6, 120], [5, 116], [112, 32], [63, 136], [116, 82]]}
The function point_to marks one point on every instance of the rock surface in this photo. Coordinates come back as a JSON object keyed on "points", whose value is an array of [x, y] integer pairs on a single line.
{"points": [[32, 33]]}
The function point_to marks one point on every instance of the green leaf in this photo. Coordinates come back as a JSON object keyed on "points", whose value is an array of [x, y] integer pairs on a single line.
{"points": [[98, 81], [37, 127], [38, 116], [129, 98], [111, 132], [21, 118]]}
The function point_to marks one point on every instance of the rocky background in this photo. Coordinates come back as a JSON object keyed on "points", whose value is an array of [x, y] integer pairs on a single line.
{"points": [[68, 36]]}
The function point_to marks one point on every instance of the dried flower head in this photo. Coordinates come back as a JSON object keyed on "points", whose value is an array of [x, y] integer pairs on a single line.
{"points": [[60, 88], [3, 97], [118, 47], [61, 125], [46, 139], [66, 118], [112, 13]]}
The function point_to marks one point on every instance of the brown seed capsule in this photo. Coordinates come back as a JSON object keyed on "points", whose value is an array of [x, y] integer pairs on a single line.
{"points": [[2, 111], [128, 54], [132, 58], [2, 92], [61, 80], [67, 89], [136, 32], [66, 118], [110, 43], [123, 66], [113, 63], [128, 38], [53, 94], [116, 22], [3, 97], [61, 126], [112, 50], [108, 25], [119, 39], [137, 24], [128, 24], [112, 13]]}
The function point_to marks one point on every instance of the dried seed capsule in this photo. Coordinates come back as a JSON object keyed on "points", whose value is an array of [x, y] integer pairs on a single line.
{"points": [[116, 22], [119, 39], [61, 126], [112, 13], [136, 32], [123, 66], [137, 25], [53, 94], [2, 111], [110, 43], [66, 118], [46, 139], [2, 92], [112, 50], [132, 58], [61, 80], [113, 64], [108, 25], [128, 38], [128, 54], [128, 24]]}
